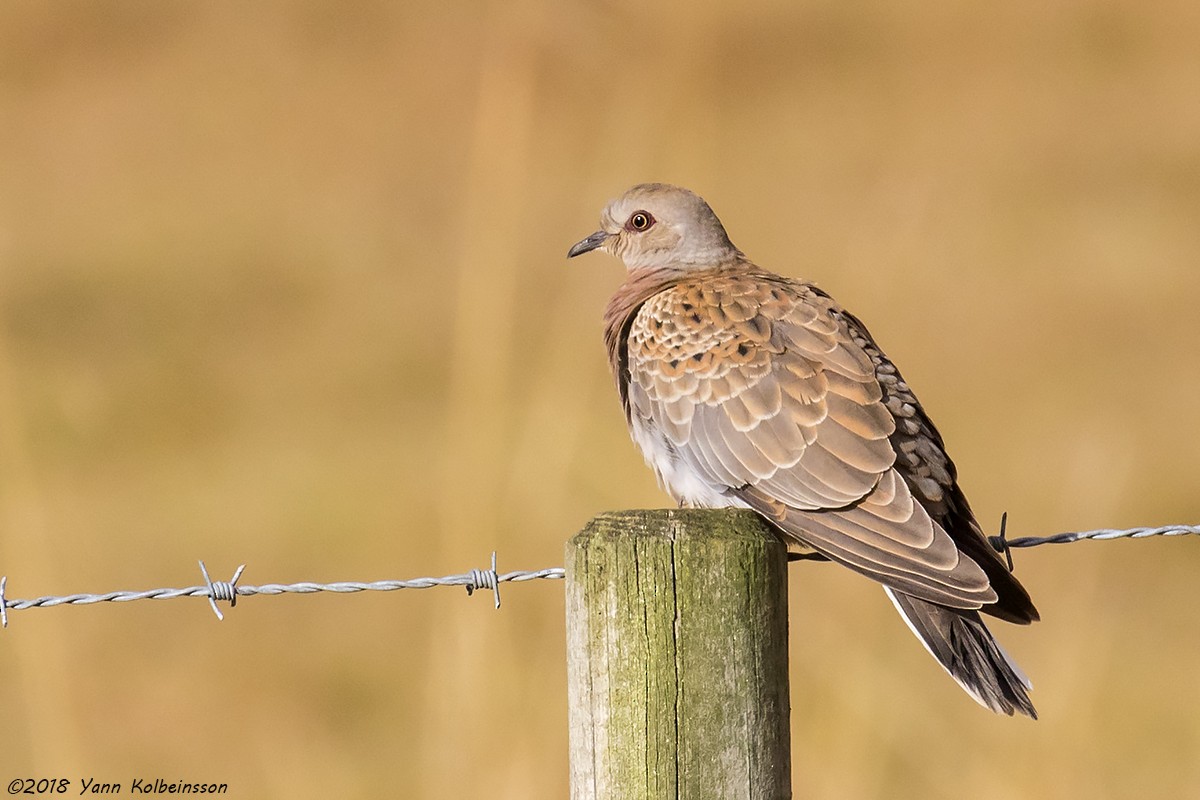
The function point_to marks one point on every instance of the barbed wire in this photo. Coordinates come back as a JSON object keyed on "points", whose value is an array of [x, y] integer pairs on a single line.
{"points": [[229, 591], [1004, 545], [1102, 534]]}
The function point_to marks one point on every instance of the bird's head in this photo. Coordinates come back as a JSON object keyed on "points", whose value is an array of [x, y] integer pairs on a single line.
{"points": [[655, 226]]}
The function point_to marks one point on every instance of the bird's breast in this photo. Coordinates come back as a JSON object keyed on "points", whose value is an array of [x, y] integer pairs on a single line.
{"points": [[676, 477]]}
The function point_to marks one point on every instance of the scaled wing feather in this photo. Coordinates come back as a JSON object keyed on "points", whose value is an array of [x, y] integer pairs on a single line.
{"points": [[762, 391]]}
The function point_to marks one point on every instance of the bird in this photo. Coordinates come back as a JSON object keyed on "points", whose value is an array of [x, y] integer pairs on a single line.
{"points": [[744, 388]]}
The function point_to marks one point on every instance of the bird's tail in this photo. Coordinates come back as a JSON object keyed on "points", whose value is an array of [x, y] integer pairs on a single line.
{"points": [[966, 649]]}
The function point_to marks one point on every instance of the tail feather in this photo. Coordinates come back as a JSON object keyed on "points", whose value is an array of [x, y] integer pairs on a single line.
{"points": [[966, 649]]}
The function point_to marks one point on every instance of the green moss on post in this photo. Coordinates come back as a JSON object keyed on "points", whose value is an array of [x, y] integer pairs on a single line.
{"points": [[677, 657]]}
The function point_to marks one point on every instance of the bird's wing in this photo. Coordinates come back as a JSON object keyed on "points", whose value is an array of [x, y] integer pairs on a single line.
{"points": [[763, 392]]}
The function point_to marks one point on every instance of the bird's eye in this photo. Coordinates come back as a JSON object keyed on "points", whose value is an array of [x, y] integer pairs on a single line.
{"points": [[639, 221]]}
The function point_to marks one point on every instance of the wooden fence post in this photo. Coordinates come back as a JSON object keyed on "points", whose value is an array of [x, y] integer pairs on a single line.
{"points": [[677, 657]]}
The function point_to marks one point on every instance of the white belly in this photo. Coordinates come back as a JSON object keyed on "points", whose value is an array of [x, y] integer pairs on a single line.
{"points": [[676, 476]]}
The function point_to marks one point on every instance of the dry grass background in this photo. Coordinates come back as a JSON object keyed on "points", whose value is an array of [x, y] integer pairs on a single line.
{"points": [[284, 283]]}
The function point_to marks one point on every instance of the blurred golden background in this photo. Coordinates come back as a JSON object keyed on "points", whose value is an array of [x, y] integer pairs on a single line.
{"points": [[285, 284]]}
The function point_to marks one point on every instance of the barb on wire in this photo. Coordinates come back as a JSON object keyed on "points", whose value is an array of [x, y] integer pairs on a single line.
{"points": [[221, 590], [1001, 543], [485, 579], [230, 590]]}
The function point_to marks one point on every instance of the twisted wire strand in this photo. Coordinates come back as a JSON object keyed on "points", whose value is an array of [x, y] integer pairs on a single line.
{"points": [[229, 591], [1003, 545], [1103, 533]]}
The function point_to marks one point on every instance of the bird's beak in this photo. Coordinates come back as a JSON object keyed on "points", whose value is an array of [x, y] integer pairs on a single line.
{"points": [[597, 239]]}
